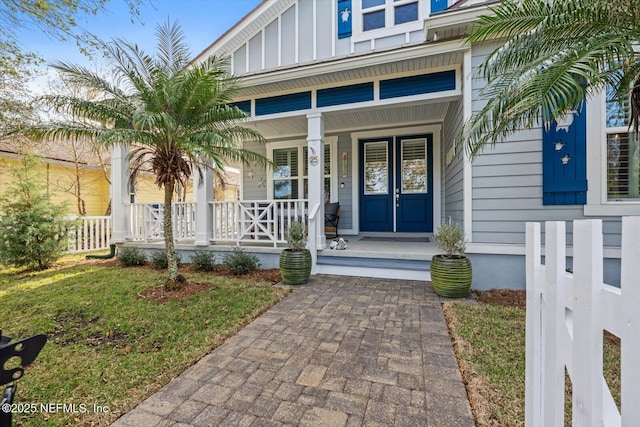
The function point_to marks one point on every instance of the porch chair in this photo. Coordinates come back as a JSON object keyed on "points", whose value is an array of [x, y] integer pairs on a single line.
{"points": [[331, 218]]}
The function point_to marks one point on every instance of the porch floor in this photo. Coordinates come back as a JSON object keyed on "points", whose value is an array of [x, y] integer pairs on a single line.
{"points": [[364, 245], [389, 246]]}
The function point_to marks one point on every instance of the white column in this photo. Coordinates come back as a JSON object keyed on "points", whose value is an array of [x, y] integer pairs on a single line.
{"points": [[315, 141], [120, 197], [203, 194]]}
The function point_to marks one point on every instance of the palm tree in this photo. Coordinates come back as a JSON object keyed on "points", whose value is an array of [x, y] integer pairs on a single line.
{"points": [[555, 53], [175, 114]]}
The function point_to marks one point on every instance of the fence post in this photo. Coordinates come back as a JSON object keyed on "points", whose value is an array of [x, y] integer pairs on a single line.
{"points": [[533, 379], [587, 325], [630, 337], [552, 319]]}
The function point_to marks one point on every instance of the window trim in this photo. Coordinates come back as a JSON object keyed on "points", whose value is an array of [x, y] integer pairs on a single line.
{"points": [[597, 200], [390, 29], [299, 143]]}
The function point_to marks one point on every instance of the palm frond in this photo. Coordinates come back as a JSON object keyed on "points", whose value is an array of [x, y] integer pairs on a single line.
{"points": [[554, 55]]}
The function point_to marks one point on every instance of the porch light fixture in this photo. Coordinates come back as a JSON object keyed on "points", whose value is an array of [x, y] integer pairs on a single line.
{"points": [[345, 162]]}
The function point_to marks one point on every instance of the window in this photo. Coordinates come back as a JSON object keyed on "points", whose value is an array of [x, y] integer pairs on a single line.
{"points": [[290, 181], [623, 152], [285, 174], [377, 14], [327, 171]]}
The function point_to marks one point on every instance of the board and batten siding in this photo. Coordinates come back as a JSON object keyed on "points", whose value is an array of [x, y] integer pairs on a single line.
{"points": [[454, 171], [507, 184], [300, 32]]}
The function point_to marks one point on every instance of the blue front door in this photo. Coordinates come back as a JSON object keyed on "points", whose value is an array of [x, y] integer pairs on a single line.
{"points": [[396, 191]]}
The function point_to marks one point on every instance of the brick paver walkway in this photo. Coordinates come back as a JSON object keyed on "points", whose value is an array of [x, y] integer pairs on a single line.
{"points": [[340, 351]]}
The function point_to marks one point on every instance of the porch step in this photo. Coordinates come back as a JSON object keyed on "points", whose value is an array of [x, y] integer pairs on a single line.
{"points": [[409, 269]]}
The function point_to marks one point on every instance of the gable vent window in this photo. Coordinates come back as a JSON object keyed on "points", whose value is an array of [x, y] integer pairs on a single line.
{"points": [[378, 14], [623, 153]]}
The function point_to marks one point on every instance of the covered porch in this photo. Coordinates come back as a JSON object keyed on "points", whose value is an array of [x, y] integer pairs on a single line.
{"points": [[259, 227], [374, 135]]}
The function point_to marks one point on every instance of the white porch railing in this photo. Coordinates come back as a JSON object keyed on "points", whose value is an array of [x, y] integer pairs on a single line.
{"points": [[240, 221], [255, 220], [566, 316], [90, 233], [145, 221]]}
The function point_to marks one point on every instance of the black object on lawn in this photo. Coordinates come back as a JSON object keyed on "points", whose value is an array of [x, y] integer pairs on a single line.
{"points": [[21, 353]]}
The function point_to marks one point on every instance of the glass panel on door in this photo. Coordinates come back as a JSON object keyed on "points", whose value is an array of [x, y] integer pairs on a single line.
{"points": [[376, 168], [414, 166]]}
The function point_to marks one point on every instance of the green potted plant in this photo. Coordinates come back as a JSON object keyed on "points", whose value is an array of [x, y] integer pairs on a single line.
{"points": [[295, 261], [451, 272]]}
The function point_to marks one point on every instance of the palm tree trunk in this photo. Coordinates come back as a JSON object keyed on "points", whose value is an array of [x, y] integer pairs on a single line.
{"points": [[169, 244], [634, 121]]}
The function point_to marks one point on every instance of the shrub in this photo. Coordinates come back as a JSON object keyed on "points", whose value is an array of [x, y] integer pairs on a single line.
{"points": [[131, 256], [202, 261], [33, 231], [160, 262], [449, 238], [240, 262], [296, 236]]}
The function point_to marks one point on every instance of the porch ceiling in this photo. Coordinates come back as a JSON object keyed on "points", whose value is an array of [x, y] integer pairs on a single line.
{"points": [[360, 118]]}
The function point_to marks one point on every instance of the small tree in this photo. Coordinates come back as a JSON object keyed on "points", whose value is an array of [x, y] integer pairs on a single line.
{"points": [[33, 231]]}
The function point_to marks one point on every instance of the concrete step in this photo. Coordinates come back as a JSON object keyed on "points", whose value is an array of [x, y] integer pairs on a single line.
{"points": [[409, 269]]}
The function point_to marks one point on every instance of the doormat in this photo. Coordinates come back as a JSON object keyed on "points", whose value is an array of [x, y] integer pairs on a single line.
{"points": [[394, 239]]}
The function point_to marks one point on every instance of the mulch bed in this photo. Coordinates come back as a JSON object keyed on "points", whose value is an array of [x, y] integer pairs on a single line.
{"points": [[161, 295], [504, 297]]}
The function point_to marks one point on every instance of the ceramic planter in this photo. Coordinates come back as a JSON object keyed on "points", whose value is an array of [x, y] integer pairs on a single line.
{"points": [[295, 266], [451, 277]]}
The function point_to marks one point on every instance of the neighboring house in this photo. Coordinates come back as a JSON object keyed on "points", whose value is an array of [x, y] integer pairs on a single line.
{"points": [[77, 181], [377, 91], [74, 175]]}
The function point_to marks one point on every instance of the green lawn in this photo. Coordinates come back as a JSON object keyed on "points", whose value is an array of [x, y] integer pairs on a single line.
{"points": [[490, 345], [108, 346]]}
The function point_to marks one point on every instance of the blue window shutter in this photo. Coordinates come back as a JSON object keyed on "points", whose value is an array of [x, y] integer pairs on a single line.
{"points": [[438, 5], [243, 105], [345, 94], [417, 85], [283, 103], [564, 162], [345, 15]]}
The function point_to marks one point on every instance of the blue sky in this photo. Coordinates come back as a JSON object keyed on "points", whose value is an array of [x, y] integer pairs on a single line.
{"points": [[202, 21]]}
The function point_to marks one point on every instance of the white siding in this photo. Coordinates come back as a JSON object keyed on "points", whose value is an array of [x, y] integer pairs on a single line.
{"points": [[255, 53], [304, 31], [271, 45], [288, 27], [240, 60]]}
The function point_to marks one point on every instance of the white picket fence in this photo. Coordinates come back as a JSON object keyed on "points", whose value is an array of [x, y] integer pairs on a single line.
{"points": [[566, 316], [90, 233]]}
